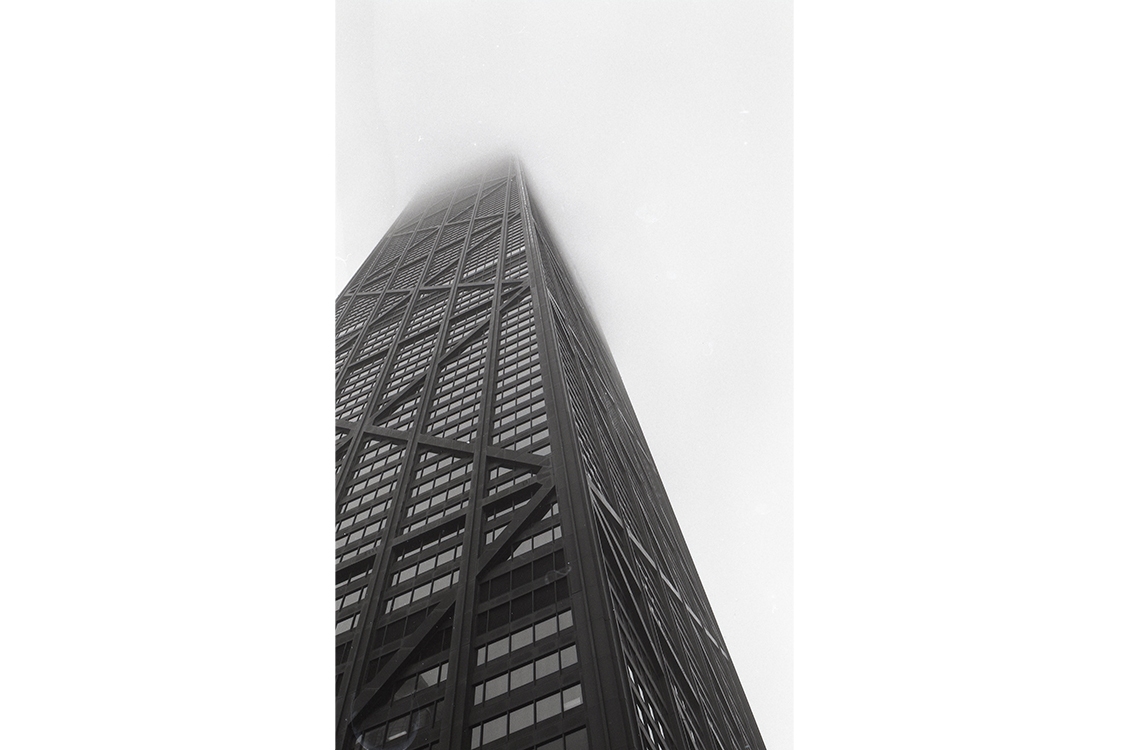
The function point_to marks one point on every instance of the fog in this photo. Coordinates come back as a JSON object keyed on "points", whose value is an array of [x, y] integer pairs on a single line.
{"points": [[657, 142]]}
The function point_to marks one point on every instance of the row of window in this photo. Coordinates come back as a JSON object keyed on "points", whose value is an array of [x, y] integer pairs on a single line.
{"points": [[440, 474], [401, 727], [526, 716], [420, 681], [441, 271], [369, 529], [506, 506], [457, 425], [438, 499], [494, 533], [506, 394], [530, 407], [523, 605], [356, 316], [350, 554], [504, 437], [539, 438], [511, 642], [364, 515], [483, 256], [381, 333], [407, 275], [425, 542], [518, 374], [380, 452], [503, 478], [435, 516], [471, 298], [428, 563], [423, 591], [523, 675], [373, 475], [351, 598], [516, 265], [430, 307], [540, 539], [411, 360], [504, 583], [348, 623], [491, 203], [403, 414], [576, 740]]}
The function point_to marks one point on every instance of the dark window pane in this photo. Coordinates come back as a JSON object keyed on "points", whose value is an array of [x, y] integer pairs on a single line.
{"points": [[578, 740]]}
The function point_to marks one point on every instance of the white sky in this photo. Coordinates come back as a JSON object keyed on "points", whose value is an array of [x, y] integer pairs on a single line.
{"points": [[657, 142], [961, 402]]}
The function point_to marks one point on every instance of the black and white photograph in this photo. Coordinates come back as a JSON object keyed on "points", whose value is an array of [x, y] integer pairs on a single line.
{"points": [[563, 375]]}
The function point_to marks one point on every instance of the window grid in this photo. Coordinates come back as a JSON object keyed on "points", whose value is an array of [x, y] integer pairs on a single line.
{"points": [[422, 591], [420, 680], [435, 516], [511, 642], [444, 262], [540, 539], [398, 728], [524, 716], [427, 541], [402, 415], [485, 255], [363, 515], [502, 478], [358, 551], [411, 360], [523, 675], [371, 527], [355, 318], [429, 311], [350, 598], [427, 564], [453, 232], [407, 275]]}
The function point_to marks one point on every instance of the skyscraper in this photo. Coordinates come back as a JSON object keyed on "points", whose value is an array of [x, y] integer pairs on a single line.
{"points": [[510, 573]]}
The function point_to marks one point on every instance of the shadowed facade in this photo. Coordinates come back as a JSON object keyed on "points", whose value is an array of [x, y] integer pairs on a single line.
{"points": [[510, 573]]}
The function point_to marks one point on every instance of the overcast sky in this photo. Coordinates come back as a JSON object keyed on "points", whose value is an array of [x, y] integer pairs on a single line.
{"points": [[657, 142]]}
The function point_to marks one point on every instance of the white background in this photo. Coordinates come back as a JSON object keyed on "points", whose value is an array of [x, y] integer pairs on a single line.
{"points": [[960, 342]]}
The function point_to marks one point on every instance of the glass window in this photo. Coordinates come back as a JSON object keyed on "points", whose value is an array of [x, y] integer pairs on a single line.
{"points": [[546, 665], [568, 656], [578, 740], [523, 637], [549, 706], [497, 649], [522, 676], [398, 727], [522, 717], [544, 628], [494, 729], [496, 686], [572, 696]]}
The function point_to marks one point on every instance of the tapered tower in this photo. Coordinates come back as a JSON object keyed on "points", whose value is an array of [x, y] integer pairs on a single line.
{"points": [[510, 573]]}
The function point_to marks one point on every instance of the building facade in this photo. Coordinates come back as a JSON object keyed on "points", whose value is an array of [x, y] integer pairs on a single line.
{"points": [[510, 573]]}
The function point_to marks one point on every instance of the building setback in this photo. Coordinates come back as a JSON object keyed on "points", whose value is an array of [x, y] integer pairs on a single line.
{"points": [[510, 573]]}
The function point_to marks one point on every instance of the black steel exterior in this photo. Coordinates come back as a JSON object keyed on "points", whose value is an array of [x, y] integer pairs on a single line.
{"points": [[510, 571]]}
